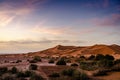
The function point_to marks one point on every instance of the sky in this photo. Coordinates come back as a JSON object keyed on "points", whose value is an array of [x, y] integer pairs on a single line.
{"points": [[34, 25]]}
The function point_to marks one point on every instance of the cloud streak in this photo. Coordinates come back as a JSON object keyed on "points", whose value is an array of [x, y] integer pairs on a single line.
{"points": [[9, 10], [46, 41], [112, 20]]}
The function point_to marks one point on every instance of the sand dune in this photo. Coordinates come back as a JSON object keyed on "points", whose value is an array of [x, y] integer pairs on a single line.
{"points": [[61, 50]]}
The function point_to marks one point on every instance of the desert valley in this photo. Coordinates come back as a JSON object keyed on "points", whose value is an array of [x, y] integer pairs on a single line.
{"points": [[59, 39], [97, 62]]}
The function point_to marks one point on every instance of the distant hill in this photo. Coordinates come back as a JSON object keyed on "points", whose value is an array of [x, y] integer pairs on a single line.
{"points": [[61, 50]]}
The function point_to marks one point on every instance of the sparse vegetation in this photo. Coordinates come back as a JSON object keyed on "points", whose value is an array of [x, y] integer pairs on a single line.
{"points": [[3, 70], [51, 61], [88, 65], [105, 63], [68, 72], [18, 61], [100, 73], [80, 76], [14, 70], [54, 75], [74, 64], [92, 57], [33, 67], [61, 62], [37, 58], [36, 77]]}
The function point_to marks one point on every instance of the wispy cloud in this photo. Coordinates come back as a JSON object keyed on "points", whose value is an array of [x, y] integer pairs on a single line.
{"points": [[45, 41], [112, 20], [9, 10]]}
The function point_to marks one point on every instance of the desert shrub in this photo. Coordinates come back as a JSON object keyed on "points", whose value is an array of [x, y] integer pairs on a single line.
{"points": [[28, 73], [8, 78], [99, 57], [80, 76], [68, 72], [3, 70], [68, 60], [92, 57], [33, 67], [100, 73], [54, 75], [117, 61], [18, 61], [105, 63], [88, 65], [51, 61], [14, 70], [36, 77], [37, 58], [109, 57], [74, 64], [82, 57], [116, 67], [32, 61], [20, 74], [61, 62]]}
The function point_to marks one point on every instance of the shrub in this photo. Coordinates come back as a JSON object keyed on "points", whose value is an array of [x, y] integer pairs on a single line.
{"points": [[3, 70], [14, 70], [28, 73], [18, 61], [61, 62], [32, 61], [33, 67], [36, 77], [92, 57], [54, 75], [88, 65], [8, 78], [105, 63], [51, 61], [20, 74], [99, 57], [116, 67], [117, 61], [100, 73], [109, 57], [68, 72], [37, 58], [80, 76], [74, 64]]}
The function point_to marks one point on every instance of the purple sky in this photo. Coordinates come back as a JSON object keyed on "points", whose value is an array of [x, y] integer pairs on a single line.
{"points": [[33, 25]]}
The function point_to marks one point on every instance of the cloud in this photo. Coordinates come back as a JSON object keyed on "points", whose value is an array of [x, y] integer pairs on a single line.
{"points": [[5, 19], [112, 20], [45, 41], [9, 10]]}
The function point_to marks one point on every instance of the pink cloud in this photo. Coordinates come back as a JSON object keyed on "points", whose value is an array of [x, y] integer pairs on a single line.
{"points": [[112, 20]]}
